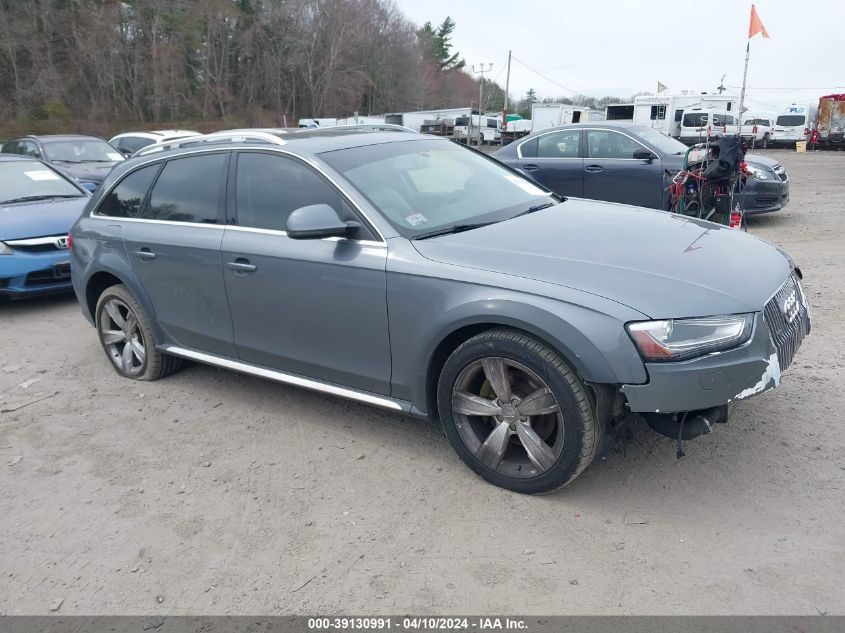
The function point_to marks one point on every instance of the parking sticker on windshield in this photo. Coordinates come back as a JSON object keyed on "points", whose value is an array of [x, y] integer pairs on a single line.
{"points": [[415, 219], [42, 174]]}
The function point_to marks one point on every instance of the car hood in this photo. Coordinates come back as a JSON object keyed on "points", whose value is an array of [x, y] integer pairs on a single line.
{"points": [[661, 264], [39, 219], [95, 172], [757, 159], [676, 162]]}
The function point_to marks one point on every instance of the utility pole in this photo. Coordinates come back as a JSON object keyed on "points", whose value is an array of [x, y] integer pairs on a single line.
{"points": [[481, 70], [507, 87], [721, 87], [744, 76]]}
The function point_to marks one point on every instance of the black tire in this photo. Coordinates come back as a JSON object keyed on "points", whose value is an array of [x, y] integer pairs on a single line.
{"points": [[579, 437], [765, 144], [152, 364]]}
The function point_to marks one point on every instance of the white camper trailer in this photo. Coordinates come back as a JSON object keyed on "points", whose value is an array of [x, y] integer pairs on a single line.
{"points": [[664, 112], [547, 115], [415, 120]]}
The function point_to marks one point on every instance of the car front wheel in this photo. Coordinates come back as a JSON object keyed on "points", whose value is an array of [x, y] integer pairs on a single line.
{"points": [[516, 412], [128, 338]]}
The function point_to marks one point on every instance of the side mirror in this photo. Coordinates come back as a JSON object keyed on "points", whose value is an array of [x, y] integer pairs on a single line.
{"points": [[643, 154], [317, 221]]}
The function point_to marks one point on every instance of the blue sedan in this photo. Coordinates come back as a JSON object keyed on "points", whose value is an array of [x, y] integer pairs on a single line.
{"points": [[38, 205], [627, 164]]}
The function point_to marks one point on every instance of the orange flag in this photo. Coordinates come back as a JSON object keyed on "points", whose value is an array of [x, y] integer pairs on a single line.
{"points": [[756, 26]]}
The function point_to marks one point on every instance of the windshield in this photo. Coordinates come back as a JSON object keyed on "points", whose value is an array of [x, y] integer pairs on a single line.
{"points": [[663, 143], [791, 120], [426, 185], [81, 151], [29, 178]]}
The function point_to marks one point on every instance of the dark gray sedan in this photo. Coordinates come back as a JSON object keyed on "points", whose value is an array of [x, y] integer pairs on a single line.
{"points": [[408, 272], [86, 159], [631, 165]]}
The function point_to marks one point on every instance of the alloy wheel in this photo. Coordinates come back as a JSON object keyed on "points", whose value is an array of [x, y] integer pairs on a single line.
{"points": [[508, 417], [122, 337]]}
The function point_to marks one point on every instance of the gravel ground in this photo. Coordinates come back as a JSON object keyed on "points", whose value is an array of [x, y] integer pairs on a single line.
{"points": [[212, 492]]}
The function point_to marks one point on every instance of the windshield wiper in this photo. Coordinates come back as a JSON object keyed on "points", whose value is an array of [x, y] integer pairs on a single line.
{"points": [[36, 198], [449, 230], [536, 207]]}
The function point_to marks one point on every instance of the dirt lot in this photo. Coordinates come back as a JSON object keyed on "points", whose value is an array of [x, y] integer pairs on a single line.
{"points": [[211, 492]]}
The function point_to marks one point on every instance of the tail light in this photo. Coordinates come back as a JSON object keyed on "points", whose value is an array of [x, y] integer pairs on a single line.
{"points": [[69, 241], [754, 130], [736, 219], [806, 131], [725, 129]]}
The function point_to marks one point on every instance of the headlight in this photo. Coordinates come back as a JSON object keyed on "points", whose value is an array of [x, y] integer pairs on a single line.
{"points": [[760, 174], [5, 250], [679, 339]]}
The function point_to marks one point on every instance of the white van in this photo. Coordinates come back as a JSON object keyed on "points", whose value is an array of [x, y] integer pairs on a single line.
{"points": [[792, 124], [467, 127], [699, 124]]}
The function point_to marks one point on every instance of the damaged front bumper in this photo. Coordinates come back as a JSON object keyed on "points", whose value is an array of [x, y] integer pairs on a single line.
{"points": [[724, 377]]}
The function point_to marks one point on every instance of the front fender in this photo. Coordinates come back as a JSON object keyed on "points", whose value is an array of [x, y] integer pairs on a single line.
{"points": [[424, 310]]}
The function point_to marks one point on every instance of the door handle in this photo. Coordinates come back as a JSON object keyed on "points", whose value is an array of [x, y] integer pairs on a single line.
{"points": [[242, 266], [593, 169], [145, 253], [530, 167]]}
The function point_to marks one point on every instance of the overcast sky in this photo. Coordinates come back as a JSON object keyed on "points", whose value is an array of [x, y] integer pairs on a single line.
{"points": [[619, 48]]}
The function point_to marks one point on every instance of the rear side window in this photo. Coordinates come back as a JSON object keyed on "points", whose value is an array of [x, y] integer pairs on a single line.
{"points": [[562, 144], [270, 188], [791, 120], [125, 200], [188, 190]]}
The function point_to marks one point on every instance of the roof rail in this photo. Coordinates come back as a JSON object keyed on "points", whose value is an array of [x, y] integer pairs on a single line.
{"points": [[240, 136], [357, 127]]}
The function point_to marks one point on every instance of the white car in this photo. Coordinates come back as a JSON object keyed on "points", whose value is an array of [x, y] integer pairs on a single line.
{"points": [[130, 142]]}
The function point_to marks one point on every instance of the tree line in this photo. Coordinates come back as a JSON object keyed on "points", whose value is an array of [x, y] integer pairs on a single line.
{"points": [[100, 64]]}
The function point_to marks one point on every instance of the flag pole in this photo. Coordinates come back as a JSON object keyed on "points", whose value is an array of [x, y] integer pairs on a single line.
{"points": [[744, 77]]}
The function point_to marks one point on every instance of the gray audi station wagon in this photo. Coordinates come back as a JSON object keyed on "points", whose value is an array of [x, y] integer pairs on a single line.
{"points": [[411, 273]]}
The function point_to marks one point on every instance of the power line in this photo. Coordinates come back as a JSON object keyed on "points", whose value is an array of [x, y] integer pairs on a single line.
{"points": [[549, 79]]}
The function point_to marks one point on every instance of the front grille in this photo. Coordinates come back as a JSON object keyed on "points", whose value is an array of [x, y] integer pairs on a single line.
{"points": [[765, 202], [788, 318]]}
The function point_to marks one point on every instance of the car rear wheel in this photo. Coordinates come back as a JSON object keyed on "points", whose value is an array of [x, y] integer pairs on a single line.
{"points": [[128, 339], [765, 142], [516, 413]]}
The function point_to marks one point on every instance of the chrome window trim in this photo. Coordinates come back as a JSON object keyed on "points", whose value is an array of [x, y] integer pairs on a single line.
{"points": [[263, 148], [283, 377], [36, 241], [585, 129], [553, 131], [250, 229]]}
